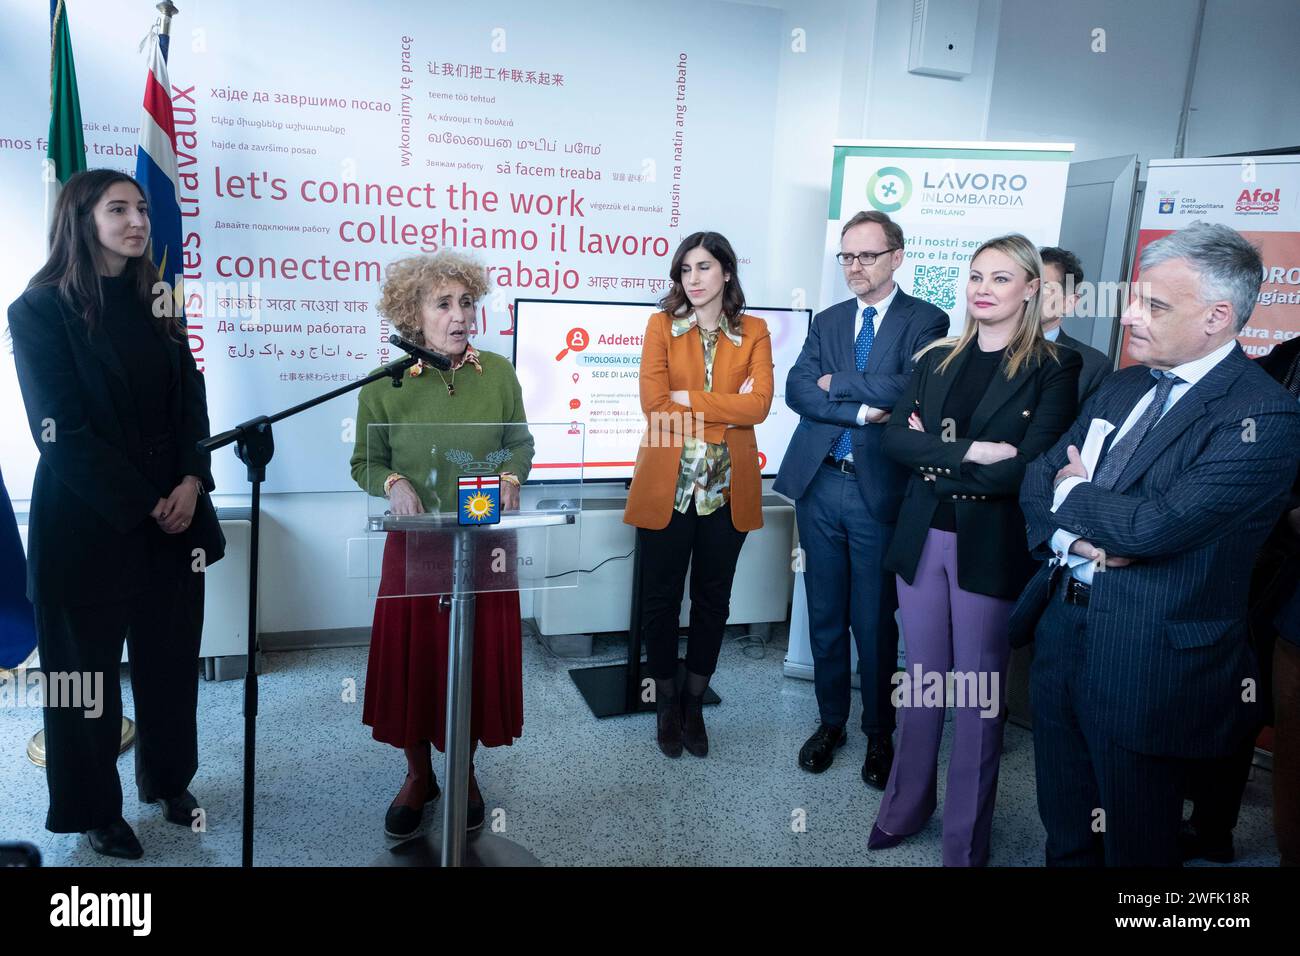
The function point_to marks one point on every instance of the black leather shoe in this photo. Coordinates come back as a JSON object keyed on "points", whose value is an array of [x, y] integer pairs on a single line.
{"points": [[178, 810], [694, 737], [880, 758], [1195, 845], [117, 839], [818, 751], [668, 725], [401, 821]]}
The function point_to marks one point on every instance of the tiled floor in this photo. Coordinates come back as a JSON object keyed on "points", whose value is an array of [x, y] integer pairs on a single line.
{"points": [[573, 790]]}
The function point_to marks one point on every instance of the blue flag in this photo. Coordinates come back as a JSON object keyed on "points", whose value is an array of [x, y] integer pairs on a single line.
{"points": [[17, 620]]}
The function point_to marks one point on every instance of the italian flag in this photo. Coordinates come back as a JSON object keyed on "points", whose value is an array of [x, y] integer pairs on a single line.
{"points": [[67, 151]]}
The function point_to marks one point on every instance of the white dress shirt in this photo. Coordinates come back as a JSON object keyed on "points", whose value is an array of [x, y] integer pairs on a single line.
{"points": [[1190, 373], [881, 308]]}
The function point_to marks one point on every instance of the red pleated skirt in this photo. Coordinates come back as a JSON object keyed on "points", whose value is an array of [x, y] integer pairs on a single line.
{"points": [[406, 678]]}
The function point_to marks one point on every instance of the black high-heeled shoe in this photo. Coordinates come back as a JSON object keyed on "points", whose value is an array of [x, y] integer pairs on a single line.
{"points": [[401, 821], [116, 839], [178, 810]]}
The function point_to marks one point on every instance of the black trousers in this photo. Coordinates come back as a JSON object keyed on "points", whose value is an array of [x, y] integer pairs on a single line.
{"points": [[162, 628], [1102, 805], [1216, 786], [711, 546]]}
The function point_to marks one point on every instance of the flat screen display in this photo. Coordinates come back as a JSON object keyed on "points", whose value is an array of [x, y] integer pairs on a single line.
{"points": [[580, 361]]}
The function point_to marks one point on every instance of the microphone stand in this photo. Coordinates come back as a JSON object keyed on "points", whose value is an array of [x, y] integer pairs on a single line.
{"points": [[254, 446]]}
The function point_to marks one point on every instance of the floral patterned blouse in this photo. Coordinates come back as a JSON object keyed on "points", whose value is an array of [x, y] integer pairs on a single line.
{"points": [[706, 468]]}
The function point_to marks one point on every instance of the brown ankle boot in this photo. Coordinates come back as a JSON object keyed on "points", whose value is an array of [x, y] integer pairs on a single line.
{"points": [[694, 737], [668, 724]]}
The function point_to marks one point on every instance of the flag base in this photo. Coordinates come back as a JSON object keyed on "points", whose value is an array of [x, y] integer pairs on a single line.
{"points": [[36, 746]]}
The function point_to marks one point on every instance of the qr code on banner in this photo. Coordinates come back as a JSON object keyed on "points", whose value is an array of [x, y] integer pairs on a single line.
{"points": [[936, 285]]}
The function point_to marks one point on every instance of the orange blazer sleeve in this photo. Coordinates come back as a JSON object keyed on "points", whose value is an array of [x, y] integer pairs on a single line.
{"points": [[654, 370], [659, 409], [752, 407]]}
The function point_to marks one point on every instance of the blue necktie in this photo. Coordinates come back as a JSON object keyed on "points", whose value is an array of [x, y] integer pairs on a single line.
{"points": [[1112, 466], [843, 446]]}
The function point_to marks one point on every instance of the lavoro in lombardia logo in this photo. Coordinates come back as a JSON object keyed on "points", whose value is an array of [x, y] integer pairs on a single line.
{"points": [[889, 189]]}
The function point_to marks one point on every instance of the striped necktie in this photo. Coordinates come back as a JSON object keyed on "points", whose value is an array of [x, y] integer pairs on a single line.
{"points": [[1112, 466]]}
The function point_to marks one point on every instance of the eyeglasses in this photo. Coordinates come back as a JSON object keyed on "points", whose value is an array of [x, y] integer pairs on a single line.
{"points": [[866, 258]]}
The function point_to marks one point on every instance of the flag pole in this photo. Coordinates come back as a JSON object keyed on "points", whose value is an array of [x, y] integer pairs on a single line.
{"points": [[168, 10]]}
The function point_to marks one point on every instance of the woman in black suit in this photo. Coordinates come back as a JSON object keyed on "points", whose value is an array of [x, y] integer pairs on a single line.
{"points": [[979, 408], [121, 527]]}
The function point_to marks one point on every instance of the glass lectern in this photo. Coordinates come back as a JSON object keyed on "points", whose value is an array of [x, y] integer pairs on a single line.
{"points": [[469, 523]]}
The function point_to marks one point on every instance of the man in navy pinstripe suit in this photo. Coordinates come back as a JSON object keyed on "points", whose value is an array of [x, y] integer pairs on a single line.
{"points": [[1142, 664]]}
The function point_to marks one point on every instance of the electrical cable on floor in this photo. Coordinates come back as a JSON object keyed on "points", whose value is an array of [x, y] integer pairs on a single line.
{"points": [[546, 644], [615, 557], [749, 642]]}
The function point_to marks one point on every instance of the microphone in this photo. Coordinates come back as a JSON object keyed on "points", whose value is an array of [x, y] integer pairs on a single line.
{"points": [[440, 362]]}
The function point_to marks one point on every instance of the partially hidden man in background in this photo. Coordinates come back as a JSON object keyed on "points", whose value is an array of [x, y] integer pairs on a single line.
{"points": [[1062, 277]]}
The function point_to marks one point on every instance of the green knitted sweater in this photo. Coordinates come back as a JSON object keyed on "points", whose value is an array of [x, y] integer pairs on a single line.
{"points": [[422, 440]]}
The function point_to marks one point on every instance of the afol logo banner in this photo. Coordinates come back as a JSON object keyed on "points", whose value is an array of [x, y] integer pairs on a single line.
{"points": [[1267, 201], [889, 188], [1255, 195]]}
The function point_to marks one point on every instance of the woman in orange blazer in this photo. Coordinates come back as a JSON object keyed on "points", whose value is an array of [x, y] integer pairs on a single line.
{"points": [[706, 381]]}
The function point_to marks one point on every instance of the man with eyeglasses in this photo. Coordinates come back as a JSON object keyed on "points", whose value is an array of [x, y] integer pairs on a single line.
{"points": [[853, 367]]}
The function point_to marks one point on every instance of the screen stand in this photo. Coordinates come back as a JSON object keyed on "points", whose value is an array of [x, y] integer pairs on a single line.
{"points": [[613, 690]]}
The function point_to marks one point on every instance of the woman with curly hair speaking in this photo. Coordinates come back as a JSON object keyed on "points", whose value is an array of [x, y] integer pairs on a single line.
{"points": [[430, 301]]}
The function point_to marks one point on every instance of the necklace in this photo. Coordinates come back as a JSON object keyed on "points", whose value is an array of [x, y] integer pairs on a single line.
{"points": [[451, 386]]}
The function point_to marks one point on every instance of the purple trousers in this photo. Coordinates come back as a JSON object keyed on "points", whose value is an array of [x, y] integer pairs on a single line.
{"points": [[948, 631]]}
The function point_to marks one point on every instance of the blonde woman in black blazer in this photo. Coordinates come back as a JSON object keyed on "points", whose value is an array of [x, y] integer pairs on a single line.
{"points": [[976, 411]]}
